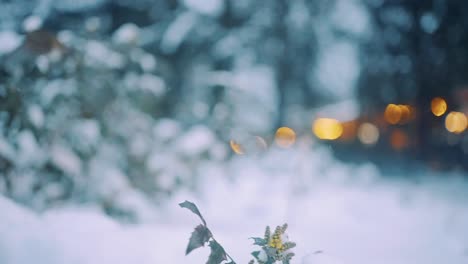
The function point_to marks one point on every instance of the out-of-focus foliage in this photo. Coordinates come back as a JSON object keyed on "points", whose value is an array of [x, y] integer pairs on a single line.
{"points": [[121, 102]]}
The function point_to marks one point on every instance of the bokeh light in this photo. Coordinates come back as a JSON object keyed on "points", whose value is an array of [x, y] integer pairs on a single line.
{"points": [[407, 113], [399, 114], [236, 147], [393, 114], [368, 134], [349, 130], [438, 106], [399, 139], [327, 128], [261, 143], [456, 122], [285, 137]]}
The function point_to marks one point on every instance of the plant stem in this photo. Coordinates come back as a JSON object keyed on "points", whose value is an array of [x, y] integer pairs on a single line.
{"points": [[227, 254]]}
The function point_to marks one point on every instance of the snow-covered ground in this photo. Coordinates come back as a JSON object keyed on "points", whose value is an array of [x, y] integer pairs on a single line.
{"points": [[348, 212]]}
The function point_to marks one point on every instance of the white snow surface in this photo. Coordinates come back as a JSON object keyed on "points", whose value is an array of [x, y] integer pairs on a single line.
{"points": [[348, 212]]}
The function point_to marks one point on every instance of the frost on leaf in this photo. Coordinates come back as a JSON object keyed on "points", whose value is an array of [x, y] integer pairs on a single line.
{"points": [[199, 237]]}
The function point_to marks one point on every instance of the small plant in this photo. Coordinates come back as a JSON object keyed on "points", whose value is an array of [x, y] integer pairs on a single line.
{"points": [[275, 248]]}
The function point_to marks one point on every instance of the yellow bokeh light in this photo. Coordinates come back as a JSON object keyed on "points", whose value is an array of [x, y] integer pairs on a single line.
{"points": [[327, 128], [456, 122], [236, 147], [438, 106], [368, 134], [393, 114], [285, 137]]}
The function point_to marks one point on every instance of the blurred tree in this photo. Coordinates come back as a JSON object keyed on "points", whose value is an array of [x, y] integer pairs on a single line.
{"points": [[418, 52]]}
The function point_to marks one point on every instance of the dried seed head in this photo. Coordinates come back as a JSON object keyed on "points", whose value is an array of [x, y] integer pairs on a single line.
{"points": [[283, 228], [267, 233]]}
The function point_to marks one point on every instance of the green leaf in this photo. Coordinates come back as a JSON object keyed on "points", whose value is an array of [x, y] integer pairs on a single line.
{"points": [[217, 254], [192, 207], [259, 241], [199, 237], [255, 254], [289, 245], [271, 252]]}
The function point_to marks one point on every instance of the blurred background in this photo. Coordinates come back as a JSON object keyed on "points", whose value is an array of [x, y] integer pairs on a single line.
{"points": [[126, 105]]}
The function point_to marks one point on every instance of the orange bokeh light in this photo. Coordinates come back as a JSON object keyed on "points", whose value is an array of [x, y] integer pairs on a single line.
{"points": [[393, 114], [399, 139], [285, 137], [456, 122], [236, 147], [349, 130], [438, 106], [398, 114]]}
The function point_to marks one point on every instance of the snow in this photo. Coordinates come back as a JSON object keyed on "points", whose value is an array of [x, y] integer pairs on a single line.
{"points": [[66, 160], [9, 41], [152, 83], [55, 88], [77, 5], [99, 53], [126, 34], [351, 16], [166, 129], [6, 150], [86, 134], [196, 141], [32, 23], [339, 69], [343, 111], [148, 62], [29, 152], [254, 90], [146, 82], [206, 7], [337, 213], [177, 31]]}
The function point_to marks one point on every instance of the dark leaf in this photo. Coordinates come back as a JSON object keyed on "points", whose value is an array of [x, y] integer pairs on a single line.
{"points": [[255, 254], [217, 254], [192, 207], [199, 237]]}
